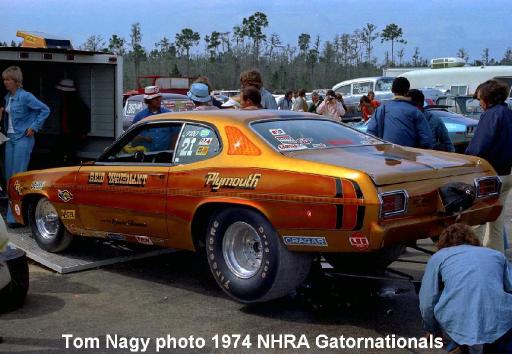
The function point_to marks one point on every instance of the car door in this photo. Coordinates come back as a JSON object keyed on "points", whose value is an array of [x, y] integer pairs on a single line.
{"points": [[123, 194]]}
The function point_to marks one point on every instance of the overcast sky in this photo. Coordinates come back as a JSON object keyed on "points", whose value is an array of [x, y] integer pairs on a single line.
{"points": [[439, 27]]}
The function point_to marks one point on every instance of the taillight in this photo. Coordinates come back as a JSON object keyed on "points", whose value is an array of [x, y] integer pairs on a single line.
{"points": [[487, 186], [393, 203]]}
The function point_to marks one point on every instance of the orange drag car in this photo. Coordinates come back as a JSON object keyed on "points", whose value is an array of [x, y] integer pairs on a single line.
{"points": [[261, 192]]}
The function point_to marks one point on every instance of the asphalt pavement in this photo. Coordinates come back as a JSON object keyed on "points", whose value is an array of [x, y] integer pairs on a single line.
{"points": [[173, 300]]}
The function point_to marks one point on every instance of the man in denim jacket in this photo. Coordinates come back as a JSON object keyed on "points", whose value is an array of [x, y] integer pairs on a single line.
{"points": [[24, 116]]}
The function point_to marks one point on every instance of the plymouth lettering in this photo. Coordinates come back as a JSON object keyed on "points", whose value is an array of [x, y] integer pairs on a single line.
{"points": [[216, 182]]}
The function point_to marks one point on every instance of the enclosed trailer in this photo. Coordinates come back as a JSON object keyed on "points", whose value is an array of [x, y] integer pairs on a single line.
{"points": [[98, 78]]}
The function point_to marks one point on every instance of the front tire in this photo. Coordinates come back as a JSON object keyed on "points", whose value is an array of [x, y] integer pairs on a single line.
{"points": [[48, 230], [248, 258]]}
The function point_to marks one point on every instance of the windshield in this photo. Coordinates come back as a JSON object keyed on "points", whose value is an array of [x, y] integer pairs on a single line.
{"points": [[303, 134], [383, 84]]}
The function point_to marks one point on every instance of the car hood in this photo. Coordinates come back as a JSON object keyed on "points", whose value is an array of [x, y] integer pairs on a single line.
{"points": [[392, 164]]}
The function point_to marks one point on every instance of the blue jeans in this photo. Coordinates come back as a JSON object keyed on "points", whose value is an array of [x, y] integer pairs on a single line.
{"points": [[17, 157]]}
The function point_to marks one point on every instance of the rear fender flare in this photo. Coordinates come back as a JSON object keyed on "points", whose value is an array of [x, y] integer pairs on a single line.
{"points": [[205, 211]]}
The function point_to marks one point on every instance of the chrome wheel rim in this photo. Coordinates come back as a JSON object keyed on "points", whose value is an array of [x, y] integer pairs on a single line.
{"points": [[242, 250], [47, 219]]}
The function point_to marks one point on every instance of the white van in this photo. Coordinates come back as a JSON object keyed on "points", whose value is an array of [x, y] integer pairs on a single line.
{"points": [[458, 81]]}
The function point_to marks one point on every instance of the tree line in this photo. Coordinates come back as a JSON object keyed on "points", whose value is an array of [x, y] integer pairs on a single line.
{"points": [[310, 64]]}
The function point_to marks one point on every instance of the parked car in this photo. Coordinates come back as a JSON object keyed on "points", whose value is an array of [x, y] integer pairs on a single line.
{"points": [[172, 101], [460, 128], [465, 105], [260, 191], [353, 90]]}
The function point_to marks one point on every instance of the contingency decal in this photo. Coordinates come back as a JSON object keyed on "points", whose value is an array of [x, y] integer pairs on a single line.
{"points": [[130, 179], [17, 187], [67, 214], [202, 150], [305, 241], [37, 185], [64, 195], [204, 133], [96, 177], [214, 180], [304, 140], [291, 147], [17, 209], [205, 141], [144, 240], [359, 241], [277, 131], [319, 146], [285, 139]]}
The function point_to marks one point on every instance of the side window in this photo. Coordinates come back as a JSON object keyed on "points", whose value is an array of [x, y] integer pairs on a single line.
{"points": [[344, 90], [197, 143], [152, 143], [362, 88]]}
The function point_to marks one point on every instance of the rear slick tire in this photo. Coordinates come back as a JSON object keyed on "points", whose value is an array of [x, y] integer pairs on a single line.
{"points": [[248, 258]]}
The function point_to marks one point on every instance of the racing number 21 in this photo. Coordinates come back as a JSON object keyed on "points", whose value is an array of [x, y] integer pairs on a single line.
{"points": [[187, 146]]}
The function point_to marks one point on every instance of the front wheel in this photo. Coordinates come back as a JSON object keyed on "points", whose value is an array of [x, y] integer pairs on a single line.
{"points": [[248, 259], [48, 230]]}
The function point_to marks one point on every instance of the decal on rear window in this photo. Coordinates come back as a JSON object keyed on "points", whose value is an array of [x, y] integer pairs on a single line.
{"points": [[301, 133]]}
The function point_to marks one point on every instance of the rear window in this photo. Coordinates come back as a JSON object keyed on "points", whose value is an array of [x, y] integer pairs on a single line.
{"points": [[301, 134], [133, 107], [383, 85]]}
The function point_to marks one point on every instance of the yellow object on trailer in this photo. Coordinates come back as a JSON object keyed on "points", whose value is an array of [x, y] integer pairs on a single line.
{"points": [[42, 40]]}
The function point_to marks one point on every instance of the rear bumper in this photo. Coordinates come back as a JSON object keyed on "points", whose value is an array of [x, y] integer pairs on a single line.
{"points": [[403, 231]]}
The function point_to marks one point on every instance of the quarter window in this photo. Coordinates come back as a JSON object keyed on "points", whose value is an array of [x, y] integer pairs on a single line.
{"points": [[197, 143]]}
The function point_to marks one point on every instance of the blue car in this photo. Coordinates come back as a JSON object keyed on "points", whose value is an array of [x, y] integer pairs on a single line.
{"points": [[460, 128]]}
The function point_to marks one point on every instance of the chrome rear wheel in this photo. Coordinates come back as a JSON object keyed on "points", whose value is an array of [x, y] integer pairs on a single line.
{"points": [[242, 249]]}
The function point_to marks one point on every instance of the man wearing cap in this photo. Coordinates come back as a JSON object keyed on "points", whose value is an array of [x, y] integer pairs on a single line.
{"points": [[75, 123], [153, 99], [200, 94]]}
